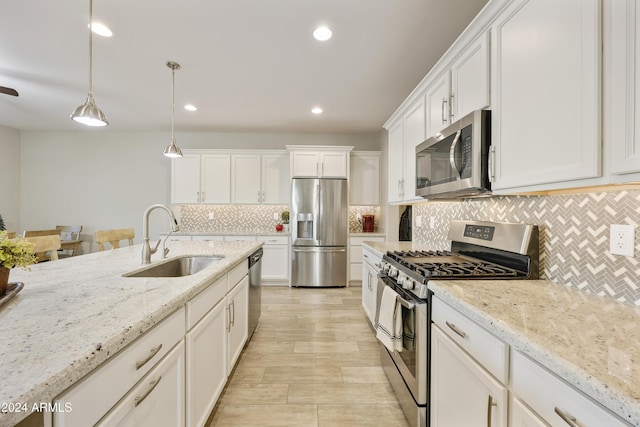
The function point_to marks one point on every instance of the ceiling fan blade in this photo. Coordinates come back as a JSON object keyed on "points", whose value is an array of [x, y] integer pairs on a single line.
{"points": [[8, 91]]}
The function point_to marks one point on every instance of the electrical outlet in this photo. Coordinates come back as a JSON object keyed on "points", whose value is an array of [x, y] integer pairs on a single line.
{"points": [[211, 215], [418, 220], [275, 215], [432, 222], [622, 240]]}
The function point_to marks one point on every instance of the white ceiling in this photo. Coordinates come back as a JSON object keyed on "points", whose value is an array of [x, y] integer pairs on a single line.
{"points": [[249, 65]]}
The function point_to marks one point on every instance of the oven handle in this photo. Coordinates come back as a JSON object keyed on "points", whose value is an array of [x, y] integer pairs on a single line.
{"points": [[403, 302]]}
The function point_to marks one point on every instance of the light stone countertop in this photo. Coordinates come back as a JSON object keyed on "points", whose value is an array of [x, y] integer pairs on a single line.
{"points": [[75, 313], [592, 342], [251, 232], [382, 247]]}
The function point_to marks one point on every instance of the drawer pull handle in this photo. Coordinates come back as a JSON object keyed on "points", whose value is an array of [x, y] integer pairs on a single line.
{"points": [[490, 406], [566, 417], [153, 352], [455, 329], [139, 399]]}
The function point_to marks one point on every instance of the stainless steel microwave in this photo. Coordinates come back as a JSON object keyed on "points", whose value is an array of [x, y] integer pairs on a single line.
{"points": [[454, 163]]}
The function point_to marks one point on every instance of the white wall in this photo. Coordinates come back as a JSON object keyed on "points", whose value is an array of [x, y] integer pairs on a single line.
{"points": [[10, 177], [103, 180]]}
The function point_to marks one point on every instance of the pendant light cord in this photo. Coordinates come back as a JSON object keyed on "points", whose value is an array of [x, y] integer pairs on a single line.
{"points": [[91, 47], [173, 98]]}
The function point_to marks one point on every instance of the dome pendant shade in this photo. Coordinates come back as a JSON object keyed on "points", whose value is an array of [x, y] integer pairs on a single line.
{"points": [[173, 150], [89, 114]]}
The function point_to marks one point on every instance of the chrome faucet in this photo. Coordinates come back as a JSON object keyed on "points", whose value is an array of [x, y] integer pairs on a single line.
{"points": [[147, 250]]}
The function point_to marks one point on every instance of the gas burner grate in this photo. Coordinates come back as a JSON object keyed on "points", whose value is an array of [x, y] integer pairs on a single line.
{"points": [[474, 270]]}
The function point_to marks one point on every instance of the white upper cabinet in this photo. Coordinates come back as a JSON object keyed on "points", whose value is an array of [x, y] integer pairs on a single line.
{"points": [[364, 183], [622, 86], [201, 178], [461, 89], [404, 136], [438, 104], [260, 178], [546, 92], [319, 161], [470, 79]]}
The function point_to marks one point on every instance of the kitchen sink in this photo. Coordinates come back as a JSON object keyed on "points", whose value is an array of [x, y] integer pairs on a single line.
{"points": [[177, 267]]}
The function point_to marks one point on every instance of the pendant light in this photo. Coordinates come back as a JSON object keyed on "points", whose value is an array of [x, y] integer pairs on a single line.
{"points": [[88, 113], [172, 149]]}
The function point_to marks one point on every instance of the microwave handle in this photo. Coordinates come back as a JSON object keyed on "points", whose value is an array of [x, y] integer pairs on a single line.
{"points": [[491, 163], [452, 154]]}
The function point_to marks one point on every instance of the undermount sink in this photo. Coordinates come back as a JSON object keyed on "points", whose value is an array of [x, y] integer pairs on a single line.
{"points": [[177, 267]]}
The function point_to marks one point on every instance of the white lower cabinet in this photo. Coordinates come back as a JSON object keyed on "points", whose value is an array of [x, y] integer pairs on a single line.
{"points": [[371, 264], [463, 393], [94, 396], [158, 400], [522, 416], [206, 352], [237, 321], [275, 259], [553, 400]]}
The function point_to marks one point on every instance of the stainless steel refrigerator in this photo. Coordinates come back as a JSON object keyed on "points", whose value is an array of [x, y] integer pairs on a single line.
{"points": [[319, 232]]}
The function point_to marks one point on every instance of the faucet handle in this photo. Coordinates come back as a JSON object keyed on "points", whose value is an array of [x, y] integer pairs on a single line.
{"points": [[155, 248]]}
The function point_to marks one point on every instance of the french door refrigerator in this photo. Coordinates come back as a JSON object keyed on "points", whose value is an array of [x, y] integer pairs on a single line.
{"points": [[319, 232]]}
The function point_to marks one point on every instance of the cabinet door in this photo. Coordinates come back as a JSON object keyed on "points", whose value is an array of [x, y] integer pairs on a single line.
{"points": [[185, 179], [206, 373], [158, 400], [237, 321], [414, 135], [438, 107], [622, 77], [275, 262], [522, 416], [276, 183], [470, 79], [334, 164], [304, 164], [245, 179], [462, 392], [396, 162], [216, 179], [364, 181], [546, 110]]}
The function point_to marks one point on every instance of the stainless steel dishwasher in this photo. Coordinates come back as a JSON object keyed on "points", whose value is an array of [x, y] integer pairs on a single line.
{"points": [[255, 293]]}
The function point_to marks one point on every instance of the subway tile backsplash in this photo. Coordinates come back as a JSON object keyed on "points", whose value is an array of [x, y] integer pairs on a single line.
{"points": [[574, 235]]}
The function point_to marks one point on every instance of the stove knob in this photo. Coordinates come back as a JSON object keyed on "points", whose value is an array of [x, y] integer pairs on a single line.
{"points": [[393, 272], [401, 279], [409, 284]]}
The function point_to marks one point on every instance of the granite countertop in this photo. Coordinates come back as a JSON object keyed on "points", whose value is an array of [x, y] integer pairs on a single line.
{"points": [[75, 313], [382, 247], [367, 234], [592, 342]]}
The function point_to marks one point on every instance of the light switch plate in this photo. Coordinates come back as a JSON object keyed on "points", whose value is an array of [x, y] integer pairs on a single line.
{"points": [[622, 240], [418, 220], [211, 215]]}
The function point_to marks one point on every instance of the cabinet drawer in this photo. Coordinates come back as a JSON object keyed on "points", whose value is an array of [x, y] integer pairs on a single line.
{"points": [[372, 258], [91, 399], [199, 305], [359, 241], [550, 396], [237, 273], [355, 253], [274, 240], [488, 350], [158, 400]]}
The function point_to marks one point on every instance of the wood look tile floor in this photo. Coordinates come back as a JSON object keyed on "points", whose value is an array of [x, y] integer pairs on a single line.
{"points": [[313, 361]]}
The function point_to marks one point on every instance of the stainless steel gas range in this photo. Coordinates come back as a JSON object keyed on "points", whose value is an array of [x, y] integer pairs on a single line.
{"points": [[479, 250]]}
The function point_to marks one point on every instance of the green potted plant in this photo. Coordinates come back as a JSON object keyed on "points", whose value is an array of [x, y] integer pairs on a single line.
{"points": [[13, 253], [284, 216]]}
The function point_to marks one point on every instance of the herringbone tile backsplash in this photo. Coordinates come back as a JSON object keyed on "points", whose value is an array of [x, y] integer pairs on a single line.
{"points": [[574, 235]]}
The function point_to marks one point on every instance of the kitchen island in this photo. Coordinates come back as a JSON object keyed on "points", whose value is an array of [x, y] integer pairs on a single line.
{"points": [[590, 342], [75, 314]]}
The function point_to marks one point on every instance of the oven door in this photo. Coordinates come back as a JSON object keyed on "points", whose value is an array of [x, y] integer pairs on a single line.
{"points": [[412, 361]]}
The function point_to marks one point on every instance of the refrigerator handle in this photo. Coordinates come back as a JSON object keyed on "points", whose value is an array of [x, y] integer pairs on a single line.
{"points": [[316, 223]]}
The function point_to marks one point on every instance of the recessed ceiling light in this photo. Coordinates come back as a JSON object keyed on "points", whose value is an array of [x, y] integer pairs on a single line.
{"points": [[101, 29], [322, 33], [316, 110], [190, 107]]}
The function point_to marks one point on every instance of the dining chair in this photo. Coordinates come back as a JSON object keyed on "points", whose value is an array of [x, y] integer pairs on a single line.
{"points": [[113, 237], [69, 240], [45, 244], [36, 233], [11, 234]]}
